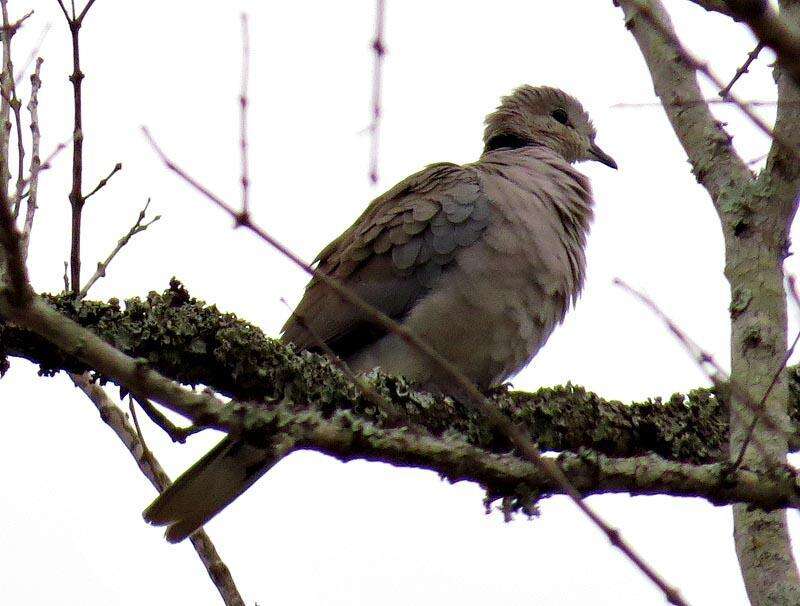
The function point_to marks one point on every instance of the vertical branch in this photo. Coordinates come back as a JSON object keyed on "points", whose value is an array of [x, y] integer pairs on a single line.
{"points": [[379, 48], [6, 78], [245, 179], [754, 216], [76, 198]]}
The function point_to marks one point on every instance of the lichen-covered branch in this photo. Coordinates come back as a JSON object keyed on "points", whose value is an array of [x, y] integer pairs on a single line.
{"points": [[754, 259], [781, 175], [307, 400], [195, 343]]}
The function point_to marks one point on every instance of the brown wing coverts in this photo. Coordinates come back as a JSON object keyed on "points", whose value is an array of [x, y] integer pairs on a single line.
{"points": [[391, 256]]}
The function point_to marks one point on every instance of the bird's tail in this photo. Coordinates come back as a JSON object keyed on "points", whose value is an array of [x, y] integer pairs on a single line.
{"points": [[208, 487]]}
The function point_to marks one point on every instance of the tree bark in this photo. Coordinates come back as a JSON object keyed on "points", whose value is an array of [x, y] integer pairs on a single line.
{"points": [[754, 260], [755, 215]]}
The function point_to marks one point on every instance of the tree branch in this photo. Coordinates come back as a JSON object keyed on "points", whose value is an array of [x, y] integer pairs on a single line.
{"points": [[707, 144], [194, 343], [781, 175], [772, 31], [115, 419]]}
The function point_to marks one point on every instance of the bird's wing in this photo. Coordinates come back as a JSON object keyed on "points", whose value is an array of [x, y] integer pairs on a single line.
{"points": [[390, 257]]}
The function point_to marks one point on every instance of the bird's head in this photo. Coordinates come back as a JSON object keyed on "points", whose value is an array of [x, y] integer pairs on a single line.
{"points": [[541, 115]]}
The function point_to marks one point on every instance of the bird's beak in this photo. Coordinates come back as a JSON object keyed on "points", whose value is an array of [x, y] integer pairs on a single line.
{"points": [[602, 156]]}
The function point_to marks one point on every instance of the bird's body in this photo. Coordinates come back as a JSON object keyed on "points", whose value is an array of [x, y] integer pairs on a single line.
{"points": [[480, 261], [483, 274]]}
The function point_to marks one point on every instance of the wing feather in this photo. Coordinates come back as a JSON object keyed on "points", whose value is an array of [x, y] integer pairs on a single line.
{"points": [[391, 256]]}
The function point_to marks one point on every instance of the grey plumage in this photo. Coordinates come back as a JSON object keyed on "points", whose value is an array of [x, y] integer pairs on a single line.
{"points": [[482, 261]]}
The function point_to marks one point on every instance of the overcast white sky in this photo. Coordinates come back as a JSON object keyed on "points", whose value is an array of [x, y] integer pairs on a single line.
{"points": [[314, 531]]}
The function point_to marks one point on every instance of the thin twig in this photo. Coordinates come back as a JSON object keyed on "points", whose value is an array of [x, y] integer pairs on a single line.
{"points": [[8, 91], [475, 398], [243, 106], [6, 78], [9, 29], [379, 48], [175, 433], [742, 69], [102, 266], [35, 166], [774, 30], [704, 101], [103, 181], [132, 438], [756, 160], [76, 197], [15, 107], [696, 64]]}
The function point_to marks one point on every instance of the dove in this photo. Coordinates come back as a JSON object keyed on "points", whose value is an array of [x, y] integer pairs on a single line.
{"points": [[481, 261]]}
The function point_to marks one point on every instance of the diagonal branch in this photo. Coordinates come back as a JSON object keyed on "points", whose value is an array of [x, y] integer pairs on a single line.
{"points": [[772, 30], [102, 266], [742, 70], [707, 144], [115, 419], [782, 168]]}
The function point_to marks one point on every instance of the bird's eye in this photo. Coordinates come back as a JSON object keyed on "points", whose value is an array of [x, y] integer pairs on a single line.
{"points": [[560, 115]]}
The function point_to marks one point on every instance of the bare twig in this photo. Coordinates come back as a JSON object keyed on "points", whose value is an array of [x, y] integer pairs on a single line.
{"points": [[8, 92], [103, 181], [475, 398], [742, 70], [701, 66], [132, 438], [137, 227], [683, 103], [756, 160], [76, 197], [9, 29], [243, 105], [704, 101], [35, 165], [772, 30], [379, 48], [15, 107]]}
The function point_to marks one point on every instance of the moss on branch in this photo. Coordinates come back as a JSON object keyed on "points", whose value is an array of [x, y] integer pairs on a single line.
{"points": [[195, 343]]}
